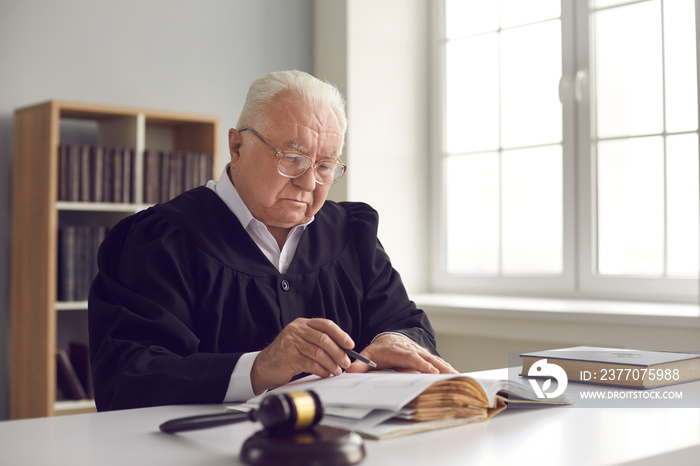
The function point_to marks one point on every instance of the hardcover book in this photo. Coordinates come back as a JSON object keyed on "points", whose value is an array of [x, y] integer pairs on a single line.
{"points": [[164, 188], [128, 175], [107, 175], [67, 257], [73, 172], [66, 378], [620, 367], [85, 173], [63, 171], [206, 167], [83, 262], [79, 352], [117, 161], [176, 175], [97, 173], [151, 167], [190, 176]]}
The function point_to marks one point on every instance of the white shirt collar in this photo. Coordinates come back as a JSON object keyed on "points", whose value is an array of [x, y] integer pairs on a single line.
{"points": [[225, 189], [229, 194]]}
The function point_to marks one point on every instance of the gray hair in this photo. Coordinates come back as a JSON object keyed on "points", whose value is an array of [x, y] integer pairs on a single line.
{"points": [[312, 90]]}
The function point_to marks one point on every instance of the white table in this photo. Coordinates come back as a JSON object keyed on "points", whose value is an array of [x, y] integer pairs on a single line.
{"points": [[575, 435]]}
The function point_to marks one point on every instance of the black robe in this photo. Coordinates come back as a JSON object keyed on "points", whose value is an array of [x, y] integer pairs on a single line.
{"points": [[183, 291]]}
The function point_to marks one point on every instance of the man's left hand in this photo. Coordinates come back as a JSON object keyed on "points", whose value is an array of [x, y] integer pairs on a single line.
{"points": [[400, 353]]}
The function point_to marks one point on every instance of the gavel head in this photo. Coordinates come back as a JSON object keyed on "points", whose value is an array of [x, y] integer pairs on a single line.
{"points": [[291, 411]]}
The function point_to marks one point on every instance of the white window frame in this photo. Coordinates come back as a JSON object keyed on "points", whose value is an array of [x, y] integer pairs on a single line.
{"points": [[578, 278]]}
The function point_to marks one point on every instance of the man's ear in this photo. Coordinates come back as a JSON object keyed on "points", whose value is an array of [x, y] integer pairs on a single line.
{"points": [[235, 140]]}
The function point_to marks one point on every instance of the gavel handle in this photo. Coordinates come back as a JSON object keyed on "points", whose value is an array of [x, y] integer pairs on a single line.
{"points": [[204, 421]]}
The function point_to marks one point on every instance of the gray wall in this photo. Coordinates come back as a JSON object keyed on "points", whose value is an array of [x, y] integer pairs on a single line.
{"points": [[176, 55]]}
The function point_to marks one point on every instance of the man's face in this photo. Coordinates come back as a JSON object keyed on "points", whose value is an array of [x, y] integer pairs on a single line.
{"points": [[275, 200]]}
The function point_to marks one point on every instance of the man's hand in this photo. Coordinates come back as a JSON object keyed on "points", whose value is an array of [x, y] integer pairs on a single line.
{"points": [[305, 345], [394, 351]]}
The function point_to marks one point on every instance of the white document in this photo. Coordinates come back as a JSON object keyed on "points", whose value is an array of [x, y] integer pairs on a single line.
{"points": [[375, 390]]}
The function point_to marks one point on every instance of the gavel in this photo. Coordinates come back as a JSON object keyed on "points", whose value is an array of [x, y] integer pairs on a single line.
{"points": [[279, 413]]}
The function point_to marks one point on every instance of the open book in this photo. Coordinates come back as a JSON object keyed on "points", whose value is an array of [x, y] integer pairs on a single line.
{"points": [[383, 405]]}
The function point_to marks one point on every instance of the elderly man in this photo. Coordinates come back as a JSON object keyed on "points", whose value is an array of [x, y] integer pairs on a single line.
{"points": [[238, 286]]}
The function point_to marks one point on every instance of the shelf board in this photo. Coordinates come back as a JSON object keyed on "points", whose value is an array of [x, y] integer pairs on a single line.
{"points": [[65, 407], [71, 305], [101, 206]]}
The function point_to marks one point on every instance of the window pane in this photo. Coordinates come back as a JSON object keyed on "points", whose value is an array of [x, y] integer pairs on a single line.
{"points": [[518, 12], [630, 207], [532, 210], [680, 61], [471, 96], [531, 69], [469, 17], [628, 85], [472, 213], [682, 204]]}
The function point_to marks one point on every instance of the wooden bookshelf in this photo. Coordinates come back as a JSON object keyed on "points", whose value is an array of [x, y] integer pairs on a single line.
{"points": [[37, 214]]}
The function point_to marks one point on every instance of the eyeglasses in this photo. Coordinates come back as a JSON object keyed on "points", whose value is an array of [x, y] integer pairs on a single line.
{"points": [[293, 164]]}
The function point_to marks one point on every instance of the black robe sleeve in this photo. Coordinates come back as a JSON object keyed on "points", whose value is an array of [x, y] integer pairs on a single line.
{"points": [[145, 347], [386, 306], [183, 291]]}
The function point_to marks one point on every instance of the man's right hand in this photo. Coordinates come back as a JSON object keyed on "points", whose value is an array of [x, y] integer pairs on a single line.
{"points": [[314, 346]]}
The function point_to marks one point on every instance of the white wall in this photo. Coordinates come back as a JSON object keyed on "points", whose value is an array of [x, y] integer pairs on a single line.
{"points": [[176, 55], [330, 63], [382, 64], [388, 131]]}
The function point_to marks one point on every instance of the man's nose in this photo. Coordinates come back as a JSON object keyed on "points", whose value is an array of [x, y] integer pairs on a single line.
{"points": [[307, 181]]}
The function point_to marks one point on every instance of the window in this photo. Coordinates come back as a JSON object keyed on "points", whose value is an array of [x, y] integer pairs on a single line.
{"points": [[568, 149]]}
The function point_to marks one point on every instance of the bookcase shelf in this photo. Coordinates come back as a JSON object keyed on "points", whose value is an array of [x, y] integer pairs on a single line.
{"points": [[101, 206], [65, 407], [71, 305], [40, 210]]}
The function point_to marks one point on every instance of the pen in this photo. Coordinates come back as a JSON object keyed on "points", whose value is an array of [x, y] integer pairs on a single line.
{"points": [[356, 355]]}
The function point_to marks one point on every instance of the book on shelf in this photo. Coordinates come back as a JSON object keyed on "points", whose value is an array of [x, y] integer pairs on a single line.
{"points": [[128, 175], [202, 169], [191, 170], [117, 174], [384, 404], [67, 256], [164, 173], [66, 378], [97, 174], [77, 260], [206, 167], [73, 173], [625, 368], [83, 262], [169, 173], [99, 232], [63, 169], [175, 178], [108, 176], [102, 174], [85, 181], [151, 162], [79, 355]]}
